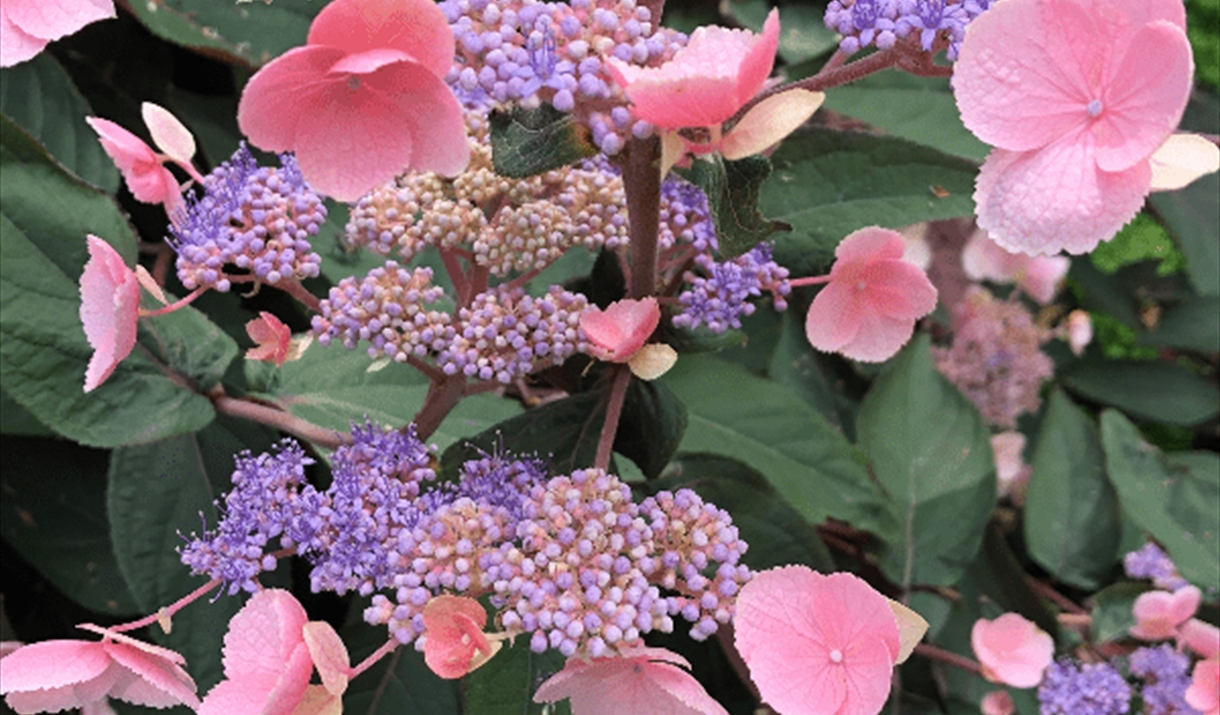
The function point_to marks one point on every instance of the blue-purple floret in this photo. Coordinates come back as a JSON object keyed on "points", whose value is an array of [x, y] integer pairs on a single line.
{"points": [[1166, 677], [722, 298], [686, 216], [882, 23], [1150, 562], [255, 218], [1071, 689]]}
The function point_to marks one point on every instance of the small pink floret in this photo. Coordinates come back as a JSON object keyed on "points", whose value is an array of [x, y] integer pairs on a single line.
{"points": [[454, 627], [27, 26], [817, 644], [273, 337], [146, 177], [868, 310], [641, 681], [1204, 691], [109, 310], [1012, 650], [56, 675], [997, 702], [1200, 637], [364, 100], [706, 82], [1039, 276], [616, 333], [1064, 91], [1010, 468], [1159, 613]]}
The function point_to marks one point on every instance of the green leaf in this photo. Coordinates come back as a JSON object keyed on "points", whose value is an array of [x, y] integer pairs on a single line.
{"points": [[17, 420], [931, 452], [732, 189], [761, 423], [651, 426], [506, 684], [40, 98], [157, 492], [795, 364], [919, 109], [1192, 324], [802, 33], [1072, 524], [776, 533], [398, 684], [828, 184], [249, 33], [1111, 610], [528, 142], [1157, 391], [53, 516], [1175, 498], [1192, 216]]}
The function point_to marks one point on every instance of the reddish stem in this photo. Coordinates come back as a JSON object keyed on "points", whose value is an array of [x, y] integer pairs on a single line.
{"points": [[457, 276], [386, 648], [642, 184], [279, 419], [931, 652], [441, 398], [182, 303], [170, 610], [809, 281], [618, 395], [294, 288]]}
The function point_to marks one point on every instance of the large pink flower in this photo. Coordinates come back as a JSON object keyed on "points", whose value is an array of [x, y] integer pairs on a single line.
{"points": [[869, 308], [56, 675], [364, 99], [816, 644], [642, 681], [1012, 650], [26, 26], [1066, 93], [109, 310]]}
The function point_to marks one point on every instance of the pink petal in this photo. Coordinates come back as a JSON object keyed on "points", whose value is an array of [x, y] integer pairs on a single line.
{"points": [[1021, 80], [983, 259], [329, 655], [1054, 199], [758, 63], [1200, 637], [168, 133], [415, 27], [1012, 650], [16, 45], [319, 701], [1204, 691], [110, 306], [454, 627], [683, 101], [869, 244], [616, 333], [834, 318], [368, 61], [53, 664], [641, 681], [868, 679], [897, 289], [1159, 613], [261, 692], [274, 338], [284, 90], [880, 338], [53, 19], [1181, 159], [155, 681], [264, 634], [1144, 101], [147, 179]]}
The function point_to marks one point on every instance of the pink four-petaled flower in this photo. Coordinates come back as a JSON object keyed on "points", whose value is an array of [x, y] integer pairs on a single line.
{"points": [[455, 643], [1159, 613]]}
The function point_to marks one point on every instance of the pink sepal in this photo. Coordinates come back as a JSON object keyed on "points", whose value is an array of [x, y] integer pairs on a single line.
{"points": [[109, 310], [1012, 650], [455, 643], [616, 333], [643, 681], [1204, 691], [1159, 613], [26, 26]]}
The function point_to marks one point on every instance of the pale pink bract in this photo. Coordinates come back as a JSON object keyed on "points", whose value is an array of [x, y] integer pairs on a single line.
{"points": [[1012, 650], [1065, 92], [1204, 691], [364, 100], [145, 175], [455, 643], [640, 681], [1159, 613], [60, 674], [1039, 276], [817, 644], [868, 310], [109, 310], [616, 333], [27, 26]]}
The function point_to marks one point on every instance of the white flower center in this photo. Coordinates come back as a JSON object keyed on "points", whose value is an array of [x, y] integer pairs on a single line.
{"points": [[836, 656], [1094, 108]]}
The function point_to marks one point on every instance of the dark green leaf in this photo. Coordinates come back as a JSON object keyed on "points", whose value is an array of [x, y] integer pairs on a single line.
{"points": [[53, 515], [1176, 498], [40, 97], [1111, 610], [798, 366], [1153, 390], [1072, 525], [651, 426], [761, 423], [1193, 324], [17, 420], [251, 33], [1192, 216], [931, 452], [776, 533], [732, 189], [528, 142], [802, 33], [828, 184], [1109, 294], [399, 684], [506, 684], [919, 109]]}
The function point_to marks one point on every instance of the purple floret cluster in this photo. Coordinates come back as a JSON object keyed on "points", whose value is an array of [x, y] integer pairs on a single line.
{"points": [[253, 217], [1069, 688], [1152, 563], [722, 298], [531, 52], [571, 562], [1166, 676], [883, 23]]}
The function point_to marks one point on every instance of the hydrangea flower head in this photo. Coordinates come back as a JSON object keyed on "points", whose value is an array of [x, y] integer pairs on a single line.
{"points": [[1093, 689], [644, 681], [1159, 613], [56, 675], [26, 26], [1064, 91], [365, 98], [817, 644], [869, 308], [1012, 650], [109, 310]]}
